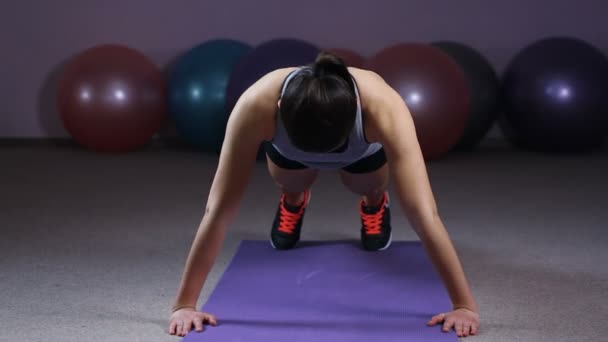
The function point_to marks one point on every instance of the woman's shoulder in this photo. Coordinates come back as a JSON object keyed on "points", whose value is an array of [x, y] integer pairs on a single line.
{"points": [[266, 90], [376, 97], [257, 106], [368, 81]]}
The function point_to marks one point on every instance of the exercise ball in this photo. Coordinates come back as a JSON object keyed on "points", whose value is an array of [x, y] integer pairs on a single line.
{"points": [[434, 88], [510, 134], [267, 57], [484, 90], [350, 58], [554, 93], [197, 92], [111, 98]]}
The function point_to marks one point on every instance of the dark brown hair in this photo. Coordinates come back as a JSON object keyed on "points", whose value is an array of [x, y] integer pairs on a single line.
{"points": [[319, 105]]}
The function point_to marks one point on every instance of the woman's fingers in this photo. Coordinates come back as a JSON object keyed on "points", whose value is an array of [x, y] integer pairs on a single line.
{"points": [[182, 322], [436, 319], [172, 328], [467, 330], [198, 324], [459, 328], [448, 325], [187, 327], [211, 319], [178, 328]]}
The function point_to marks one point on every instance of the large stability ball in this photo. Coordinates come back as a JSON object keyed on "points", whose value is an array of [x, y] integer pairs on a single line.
{"points": [[350, 58], [197, 92], [112, 98], [266, 57], [434, 88], [484, 89], [509, 133], [555, 97]]}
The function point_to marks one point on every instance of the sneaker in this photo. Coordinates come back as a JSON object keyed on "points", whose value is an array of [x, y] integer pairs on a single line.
{"points": [[287, 223], [376, 225]]}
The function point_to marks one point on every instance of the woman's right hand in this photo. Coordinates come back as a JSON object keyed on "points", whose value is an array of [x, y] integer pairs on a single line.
{"points": [[182, 320]]}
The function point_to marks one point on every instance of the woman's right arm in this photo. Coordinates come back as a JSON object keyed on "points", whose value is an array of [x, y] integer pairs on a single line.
{"points": [[246, 129]]}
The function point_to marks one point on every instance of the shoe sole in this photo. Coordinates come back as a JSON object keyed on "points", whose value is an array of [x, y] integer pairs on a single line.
{"points": [[272, 243], [388, 244], [390, 239]]}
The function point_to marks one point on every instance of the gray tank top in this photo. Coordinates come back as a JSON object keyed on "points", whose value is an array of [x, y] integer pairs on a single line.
{"points": [[357, 148]]}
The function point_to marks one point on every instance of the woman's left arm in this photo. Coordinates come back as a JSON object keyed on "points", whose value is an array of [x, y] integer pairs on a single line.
{"points": [[396, 132]]}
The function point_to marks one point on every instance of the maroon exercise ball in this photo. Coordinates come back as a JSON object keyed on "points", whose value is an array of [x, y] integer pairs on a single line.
{"points": [[434, 88], [350, 58], [112, 98]]}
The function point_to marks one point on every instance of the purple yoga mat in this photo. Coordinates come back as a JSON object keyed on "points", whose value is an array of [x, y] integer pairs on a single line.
{"points": [[327, 291]]}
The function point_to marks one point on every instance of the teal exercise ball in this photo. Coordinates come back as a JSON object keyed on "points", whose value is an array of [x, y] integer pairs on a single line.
{"points": [[197, 92]]}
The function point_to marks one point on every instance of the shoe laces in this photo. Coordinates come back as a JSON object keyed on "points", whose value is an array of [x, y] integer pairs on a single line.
{"points": [[373, 222], [288, 219]]}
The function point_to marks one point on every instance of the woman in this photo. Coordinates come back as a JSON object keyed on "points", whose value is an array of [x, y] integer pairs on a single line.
{"points": [[317, 117]]}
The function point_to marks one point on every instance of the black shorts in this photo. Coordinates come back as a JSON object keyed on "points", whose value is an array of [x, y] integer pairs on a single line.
{"points": [[364, 165]]}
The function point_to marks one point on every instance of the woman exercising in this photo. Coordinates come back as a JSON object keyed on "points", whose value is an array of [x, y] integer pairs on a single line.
{"points": [[324, 116]]}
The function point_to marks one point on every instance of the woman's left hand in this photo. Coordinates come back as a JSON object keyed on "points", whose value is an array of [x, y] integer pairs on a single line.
{"points": [[464, 321]]}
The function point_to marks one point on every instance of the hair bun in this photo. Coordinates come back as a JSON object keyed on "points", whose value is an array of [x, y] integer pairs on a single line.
{"points": [[329, 64]]}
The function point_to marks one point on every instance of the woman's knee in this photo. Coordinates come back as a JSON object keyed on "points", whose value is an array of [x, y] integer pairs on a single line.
{"points": [[366, 183], [292, 180]]}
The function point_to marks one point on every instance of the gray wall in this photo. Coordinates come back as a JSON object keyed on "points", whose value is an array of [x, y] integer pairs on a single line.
{"points": [[38, 36]]}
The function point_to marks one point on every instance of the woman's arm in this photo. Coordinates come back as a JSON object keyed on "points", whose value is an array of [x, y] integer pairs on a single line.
{"points": [[390, 123], [245, 131], [407, 166], [410, 177]]}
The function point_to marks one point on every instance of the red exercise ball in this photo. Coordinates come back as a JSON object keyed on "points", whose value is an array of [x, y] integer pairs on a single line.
{"points": [[434, 88], [112, 98], [350, 58]]}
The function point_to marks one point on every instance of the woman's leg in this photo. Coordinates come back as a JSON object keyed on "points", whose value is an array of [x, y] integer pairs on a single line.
{"points": [[371, 186], [369, 178], [293, 182], [294, 179]]}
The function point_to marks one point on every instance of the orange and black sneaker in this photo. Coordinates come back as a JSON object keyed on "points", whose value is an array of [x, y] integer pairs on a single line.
{"points": [[376, 225], [287, 223]]}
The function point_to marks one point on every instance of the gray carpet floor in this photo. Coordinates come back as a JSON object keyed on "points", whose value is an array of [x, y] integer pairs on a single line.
{"points": [[92, 246]]}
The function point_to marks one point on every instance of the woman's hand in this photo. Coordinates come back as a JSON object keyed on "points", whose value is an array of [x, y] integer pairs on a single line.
{"points": [[464, 321], [182, 320]]}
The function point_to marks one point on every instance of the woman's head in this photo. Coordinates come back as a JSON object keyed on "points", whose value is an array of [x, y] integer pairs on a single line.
{"points": [[319, 105]]}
